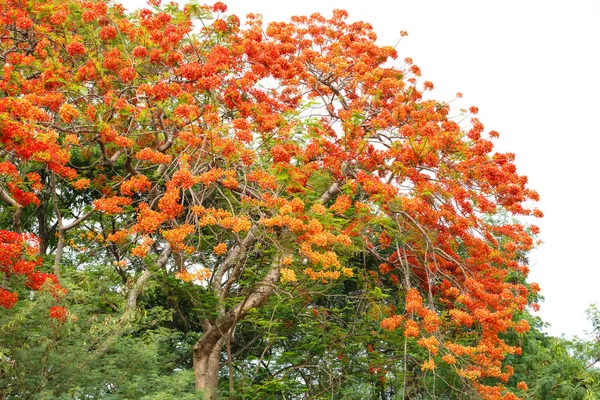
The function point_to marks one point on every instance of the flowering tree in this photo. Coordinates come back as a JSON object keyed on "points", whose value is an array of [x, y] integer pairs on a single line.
{"points": [[255, 161]]}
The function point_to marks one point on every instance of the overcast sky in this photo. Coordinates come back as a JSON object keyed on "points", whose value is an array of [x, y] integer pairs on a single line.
{"points": [[533, 69]]}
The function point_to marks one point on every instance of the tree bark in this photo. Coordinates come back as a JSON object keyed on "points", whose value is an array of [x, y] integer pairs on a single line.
{"points": [[207, 364]]}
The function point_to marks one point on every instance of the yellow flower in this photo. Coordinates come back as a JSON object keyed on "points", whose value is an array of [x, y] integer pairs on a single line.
{"points": [[287, 275], [428, 365]]}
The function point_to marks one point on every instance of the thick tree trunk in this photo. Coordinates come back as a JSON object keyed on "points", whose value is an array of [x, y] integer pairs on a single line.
{"points": [[207, 363]]}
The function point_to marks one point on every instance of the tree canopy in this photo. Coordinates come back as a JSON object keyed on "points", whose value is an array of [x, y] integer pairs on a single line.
{"points": [[252, 189]]}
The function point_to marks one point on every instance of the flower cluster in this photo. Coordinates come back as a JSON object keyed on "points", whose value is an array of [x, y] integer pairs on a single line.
{"points": [[184, 179], [19, 256], [8, 299], [200, 274], [136, 184], [177, 236], [220, 249], [287, 275], [148, 220], [68, 112], [391, 323], [112, 205], [153, 156], [59, 313]]}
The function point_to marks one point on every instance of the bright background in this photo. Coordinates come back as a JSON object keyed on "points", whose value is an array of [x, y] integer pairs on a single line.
{"points": [[533, 69]]}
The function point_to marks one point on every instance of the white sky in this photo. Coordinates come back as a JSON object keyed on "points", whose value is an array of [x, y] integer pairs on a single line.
{"points": [[533, 69]]}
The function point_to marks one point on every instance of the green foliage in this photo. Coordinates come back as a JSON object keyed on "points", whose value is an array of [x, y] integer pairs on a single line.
{"points": [[94, 354], [557, 367]]}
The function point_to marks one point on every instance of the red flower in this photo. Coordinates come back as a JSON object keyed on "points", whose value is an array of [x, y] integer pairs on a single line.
{"points": [[140, 52], [58, 312], [128, 74], [36, 280], [219, 7], [108, 33], [280, 154], [75, 49], [88, 16], [7, 299], [24, 23], [220, 25]]}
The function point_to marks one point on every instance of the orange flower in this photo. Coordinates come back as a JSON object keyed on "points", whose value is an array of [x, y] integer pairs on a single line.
{"points": [[428, 365], [119, 237], [219, 7], [220, 25], [411, 328], [391, 323], [169, 203], [184, 179], [430, 343], [318, 208], [68, 113], [184, 276], [414, 301], [140, 52], [108, 33], [140, 251], [342, 204], [147, 154], [220, 249], [127, 74], [135, 184], [202, 274], [112, 205], [211, 176], [449, 359], [522, 326], [148, 219], [280, 155], [81, 184], [7, 299], [176, 236]]}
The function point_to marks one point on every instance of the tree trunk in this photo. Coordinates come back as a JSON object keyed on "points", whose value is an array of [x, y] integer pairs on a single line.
{"points": [[207, 363], [207, 351]]}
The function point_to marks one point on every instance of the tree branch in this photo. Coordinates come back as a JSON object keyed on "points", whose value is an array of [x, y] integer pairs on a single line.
{"points": [[141, 281], [18, 210], [257, 298]]}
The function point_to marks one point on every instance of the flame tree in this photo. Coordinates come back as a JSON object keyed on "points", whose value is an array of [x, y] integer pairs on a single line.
{"points": [[253, 160]]}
